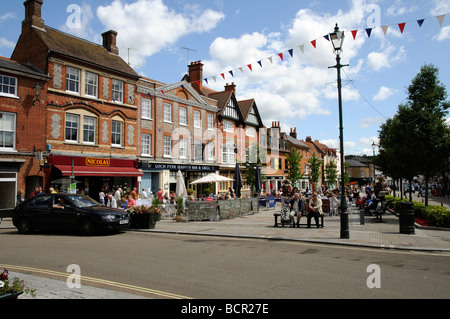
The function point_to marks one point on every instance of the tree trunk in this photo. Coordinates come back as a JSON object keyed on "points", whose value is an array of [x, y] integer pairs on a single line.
{"points": [[426, 190]]}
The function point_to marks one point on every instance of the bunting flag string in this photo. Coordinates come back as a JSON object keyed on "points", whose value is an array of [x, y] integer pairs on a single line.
{"points": [[354, 33]]}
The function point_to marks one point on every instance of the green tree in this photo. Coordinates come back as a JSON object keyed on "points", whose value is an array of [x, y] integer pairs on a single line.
{"points": [[331, 173], [256, 158], [416, 140], [314, 165], [294, 159]]}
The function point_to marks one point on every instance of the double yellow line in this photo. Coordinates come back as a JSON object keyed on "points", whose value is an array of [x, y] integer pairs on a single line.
{"points": [[95, 280]]}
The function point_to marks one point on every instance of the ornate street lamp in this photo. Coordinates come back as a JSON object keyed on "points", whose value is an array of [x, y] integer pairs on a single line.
{"points": [[337, 39], [37, 92]]}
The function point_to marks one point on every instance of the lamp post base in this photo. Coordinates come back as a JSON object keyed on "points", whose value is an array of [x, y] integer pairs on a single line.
{"points": [[345, 232]]}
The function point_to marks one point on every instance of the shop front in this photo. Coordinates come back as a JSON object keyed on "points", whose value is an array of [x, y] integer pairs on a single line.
{"points": [[90, 175], [163, 176]]}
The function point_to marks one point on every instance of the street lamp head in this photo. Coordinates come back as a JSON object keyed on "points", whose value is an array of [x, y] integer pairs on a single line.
{"points": [[337, 39], [37, 92]]}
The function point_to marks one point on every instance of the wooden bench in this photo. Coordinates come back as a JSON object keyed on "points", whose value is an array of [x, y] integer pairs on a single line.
{"points": [[283, 223]]}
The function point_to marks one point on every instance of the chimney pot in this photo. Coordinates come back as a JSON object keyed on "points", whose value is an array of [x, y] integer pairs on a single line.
{"points": [[33, 13]]}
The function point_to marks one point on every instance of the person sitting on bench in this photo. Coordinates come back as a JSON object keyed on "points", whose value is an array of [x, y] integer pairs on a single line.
{"points": [[315, 206]]}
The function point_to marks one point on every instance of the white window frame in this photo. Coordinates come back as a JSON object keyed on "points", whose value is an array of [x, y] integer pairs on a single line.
{"points": [[183, 116], [167, 149], [76, 128], [8, 86], [228, 126], [115, 132], [4, 131], [117, 90], [146, 107], [228, 154], [183, 148], [210, 151], [167, 112], [250, 131], [146, 145], [73, 76], [210, 122], [91, 82], [88, 129], [197, 119]]}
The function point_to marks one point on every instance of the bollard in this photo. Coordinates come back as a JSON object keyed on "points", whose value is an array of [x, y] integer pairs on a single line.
{"points": [[361, 217], [406, 218]]}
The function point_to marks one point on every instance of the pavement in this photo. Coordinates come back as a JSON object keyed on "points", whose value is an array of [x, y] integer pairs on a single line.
{"points": [[371, 234]]}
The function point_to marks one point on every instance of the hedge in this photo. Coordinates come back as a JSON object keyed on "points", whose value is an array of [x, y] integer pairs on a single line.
{"points": [[438, 215]]}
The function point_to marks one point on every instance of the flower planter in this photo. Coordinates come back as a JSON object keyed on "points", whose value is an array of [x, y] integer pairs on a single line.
{"points": [[11, 295], [144, 221]]}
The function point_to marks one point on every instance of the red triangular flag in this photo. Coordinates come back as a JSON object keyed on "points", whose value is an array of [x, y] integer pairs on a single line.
{"points": [[401, 26], [313, 42], [223, 75], [162, 91], [280, 55], [354, 32], [250, 67]]}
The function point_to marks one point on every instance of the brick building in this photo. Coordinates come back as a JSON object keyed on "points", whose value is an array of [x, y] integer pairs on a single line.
{"points": [[91, 116], [22, 117]]}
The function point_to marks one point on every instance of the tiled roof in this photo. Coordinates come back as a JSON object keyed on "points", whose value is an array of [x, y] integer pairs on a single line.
{"points": [[79, 49], [16, 67]]}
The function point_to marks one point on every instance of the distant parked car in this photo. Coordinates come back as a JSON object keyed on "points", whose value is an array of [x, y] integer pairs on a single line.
{"points": [[67, 212]]}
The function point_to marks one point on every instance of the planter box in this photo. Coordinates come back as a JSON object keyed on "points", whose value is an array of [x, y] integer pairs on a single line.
{"points": [[11, 295], [144, 221]]}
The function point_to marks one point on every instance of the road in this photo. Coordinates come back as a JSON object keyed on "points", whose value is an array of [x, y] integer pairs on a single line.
{"points": [[226, 268]]}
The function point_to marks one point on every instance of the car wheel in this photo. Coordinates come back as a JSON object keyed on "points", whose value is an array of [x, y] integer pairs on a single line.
{"points": [[86, 227], [24, 226]]}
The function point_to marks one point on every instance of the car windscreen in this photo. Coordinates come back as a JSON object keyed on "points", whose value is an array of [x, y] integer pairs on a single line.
{"points": [[83, 201]]}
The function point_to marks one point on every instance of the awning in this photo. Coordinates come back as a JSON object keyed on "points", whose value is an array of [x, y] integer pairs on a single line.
{"points": [[66, 170]]}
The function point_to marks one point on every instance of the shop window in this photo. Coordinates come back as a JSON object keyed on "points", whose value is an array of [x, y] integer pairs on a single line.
{"points": [[7, 131]]}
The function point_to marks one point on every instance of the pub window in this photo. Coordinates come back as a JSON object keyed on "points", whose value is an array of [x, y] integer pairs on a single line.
{"points": [[168, 112], [183, 116], [73, 80], [197, 119], [72, 122], [210, 122], [7, 131], [89, 128], [183, 148], [146, 109], [116, 133], [117, 90], [8, 86], [167, 146], [91, 85], [146, 145]]}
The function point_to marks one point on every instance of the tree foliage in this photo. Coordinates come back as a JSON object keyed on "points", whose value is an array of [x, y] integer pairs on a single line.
{"points": [[294, 159]]}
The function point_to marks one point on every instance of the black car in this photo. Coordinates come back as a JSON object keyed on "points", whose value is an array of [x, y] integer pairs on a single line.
{"points": [[68, 212]]}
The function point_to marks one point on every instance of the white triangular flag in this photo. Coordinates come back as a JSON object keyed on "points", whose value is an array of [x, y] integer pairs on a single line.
{"points": [[385, 28], [302, 47], [240, 68], [214, 78], [441, 19], [270, 59]]}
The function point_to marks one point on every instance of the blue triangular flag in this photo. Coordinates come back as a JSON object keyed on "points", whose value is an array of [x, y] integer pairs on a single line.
{"points": [[369, 31], [206, 80], [231, 72], [260, 64], [291, 51], [326, 37], [420, 22]]}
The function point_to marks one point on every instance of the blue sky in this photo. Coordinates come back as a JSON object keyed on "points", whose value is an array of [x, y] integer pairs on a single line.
{"points": [[298, 91]]}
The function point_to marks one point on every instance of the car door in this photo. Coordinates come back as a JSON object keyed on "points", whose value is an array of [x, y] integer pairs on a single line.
{"points": [[63, 216], [38, 211]]}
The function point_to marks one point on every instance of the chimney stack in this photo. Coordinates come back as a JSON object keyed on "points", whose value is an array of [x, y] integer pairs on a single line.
{"points": [[196, 75], [293, 133], [231, 87], [33, 14], [109, 41], [308, 139]]}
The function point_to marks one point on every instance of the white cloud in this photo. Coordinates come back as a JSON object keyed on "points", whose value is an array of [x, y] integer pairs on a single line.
{"points": [[384, 93], [399, 8], [370, 121], [444, 34], [385, 58], [78, 23], [6, 43], [148, 26]]}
